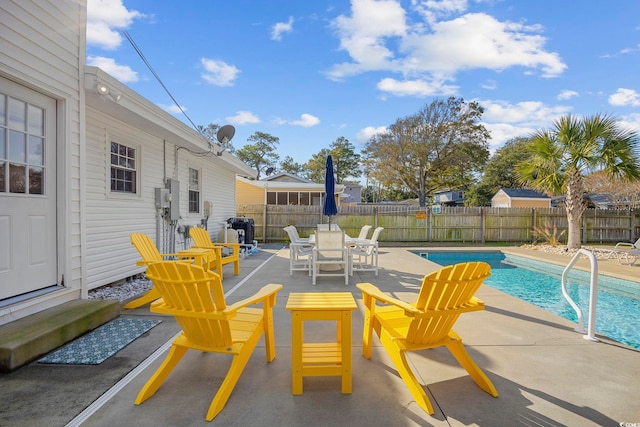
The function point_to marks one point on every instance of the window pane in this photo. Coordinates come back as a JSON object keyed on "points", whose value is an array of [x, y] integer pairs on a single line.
{"points": [[17, 114], [305, 200], [114, 148], [3, 184], [36, 179], [17, 178], [3, 151], [36, 146], [271, 198], [293, 198], [3, 110], [194, 201], [282, 198], [17, 148], [36, 120]]}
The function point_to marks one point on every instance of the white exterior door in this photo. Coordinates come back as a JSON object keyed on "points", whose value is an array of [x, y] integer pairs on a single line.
{"points": [[28, 258]]}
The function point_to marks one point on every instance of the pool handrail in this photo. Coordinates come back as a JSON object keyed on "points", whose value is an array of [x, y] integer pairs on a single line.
{"points": [[590, 334]]}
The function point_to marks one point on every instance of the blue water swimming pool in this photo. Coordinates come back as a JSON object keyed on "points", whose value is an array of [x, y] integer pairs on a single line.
{"points": [[618, 307]]}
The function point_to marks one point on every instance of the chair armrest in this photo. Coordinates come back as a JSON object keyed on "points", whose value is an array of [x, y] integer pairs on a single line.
{"points": [[621, 244], [146, 262], [265, 292], [372, 291]]}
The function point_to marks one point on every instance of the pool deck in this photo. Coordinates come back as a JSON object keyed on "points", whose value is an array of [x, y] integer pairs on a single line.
{"points": [[546, 374]]}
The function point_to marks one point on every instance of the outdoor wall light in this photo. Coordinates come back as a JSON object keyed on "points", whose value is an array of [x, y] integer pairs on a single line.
{"points": [[104, 91]]}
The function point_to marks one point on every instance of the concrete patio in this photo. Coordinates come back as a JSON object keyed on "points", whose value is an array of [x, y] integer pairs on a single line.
{"points": [[546, 373]]}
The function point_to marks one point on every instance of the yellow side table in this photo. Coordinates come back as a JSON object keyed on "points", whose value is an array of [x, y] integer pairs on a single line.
{"points": [[321, 359]]}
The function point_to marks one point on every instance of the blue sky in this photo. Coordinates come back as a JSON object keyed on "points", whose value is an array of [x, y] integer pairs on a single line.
{"points": [[309, 72]]}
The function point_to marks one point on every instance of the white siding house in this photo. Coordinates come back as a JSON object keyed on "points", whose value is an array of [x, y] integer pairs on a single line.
{"points": [[79, 169]]}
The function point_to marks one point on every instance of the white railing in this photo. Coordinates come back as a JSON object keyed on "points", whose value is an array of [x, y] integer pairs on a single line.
{"points": [[590, 334]]}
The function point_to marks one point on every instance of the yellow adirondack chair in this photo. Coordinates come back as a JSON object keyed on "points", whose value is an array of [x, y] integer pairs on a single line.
{"points": [[201, 239], [445, 294], [150, 254], [196, 299]]}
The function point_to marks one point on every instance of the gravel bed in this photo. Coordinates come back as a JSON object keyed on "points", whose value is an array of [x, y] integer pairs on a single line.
{"points": [[122, 290]]}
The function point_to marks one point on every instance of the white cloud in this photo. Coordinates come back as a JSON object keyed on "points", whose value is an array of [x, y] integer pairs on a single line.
{"points": [[243, 118], [306, 121], [173, 109], [104, 19], [281, 27], [625, 97], [631, 122], [533, 113], [567, 94], [365, 134], [489, 85], [415, 88], [362, 36], [377, 37], [505, 120], [218, 73], [503, 132], [108, 65]]}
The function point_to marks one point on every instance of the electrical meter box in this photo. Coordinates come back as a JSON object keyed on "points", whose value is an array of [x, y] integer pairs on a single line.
{"points": [[163, 198], [173, 186]]}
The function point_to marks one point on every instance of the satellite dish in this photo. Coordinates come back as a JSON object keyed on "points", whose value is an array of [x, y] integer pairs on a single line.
{"points": [[269, 171], [225, 133]]}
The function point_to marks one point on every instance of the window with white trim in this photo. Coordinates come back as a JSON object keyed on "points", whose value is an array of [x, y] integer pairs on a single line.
{"points": [[194, 190], [124, 171]]}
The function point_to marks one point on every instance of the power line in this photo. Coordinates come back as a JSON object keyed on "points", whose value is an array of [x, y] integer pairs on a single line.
{"points": [[141, 55]]}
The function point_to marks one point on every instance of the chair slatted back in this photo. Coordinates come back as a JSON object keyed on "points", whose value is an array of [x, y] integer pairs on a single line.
{"points": [[145, 247], [200, 237], [195, 298], [444, 295]]}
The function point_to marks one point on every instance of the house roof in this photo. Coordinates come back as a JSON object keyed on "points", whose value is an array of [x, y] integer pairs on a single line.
{"points": [[137, 111], [523, 193], [285, 177], [288, 185]]}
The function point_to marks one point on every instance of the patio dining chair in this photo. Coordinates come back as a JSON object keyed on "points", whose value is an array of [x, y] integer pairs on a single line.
{"points": [[294, 237], [330, 255], [445, 294], [195, 298], [299, 252], [201, 239], [364, 254]]}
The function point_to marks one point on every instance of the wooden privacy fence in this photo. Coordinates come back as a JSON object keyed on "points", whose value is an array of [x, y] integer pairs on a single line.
{"points": [[408, 224]]}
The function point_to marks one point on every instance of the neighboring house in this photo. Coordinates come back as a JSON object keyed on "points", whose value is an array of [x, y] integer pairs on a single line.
{"points": [[520, 198], [82, 158], [281, 189], [449, 197], [593, 201], [352, 193]]}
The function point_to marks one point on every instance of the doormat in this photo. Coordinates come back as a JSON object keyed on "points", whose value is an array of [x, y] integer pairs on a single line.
{"points": [[101, 343]]}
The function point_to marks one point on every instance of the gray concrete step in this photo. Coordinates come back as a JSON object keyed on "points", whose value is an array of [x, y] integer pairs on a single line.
{"points": [[28, 338]]}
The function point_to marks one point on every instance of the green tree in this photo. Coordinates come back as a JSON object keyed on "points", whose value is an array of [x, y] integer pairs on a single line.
{"points": [[262, 154], [211, 134], [574, 147], [442, 146], [346, 162], [289, 165], [499, 172]]}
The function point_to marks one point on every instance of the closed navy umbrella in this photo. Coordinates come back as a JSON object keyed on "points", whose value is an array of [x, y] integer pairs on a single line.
{"points": [[329, 207]]}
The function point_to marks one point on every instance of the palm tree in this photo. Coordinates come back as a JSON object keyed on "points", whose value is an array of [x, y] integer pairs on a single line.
{"points": [[573, 148]]}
